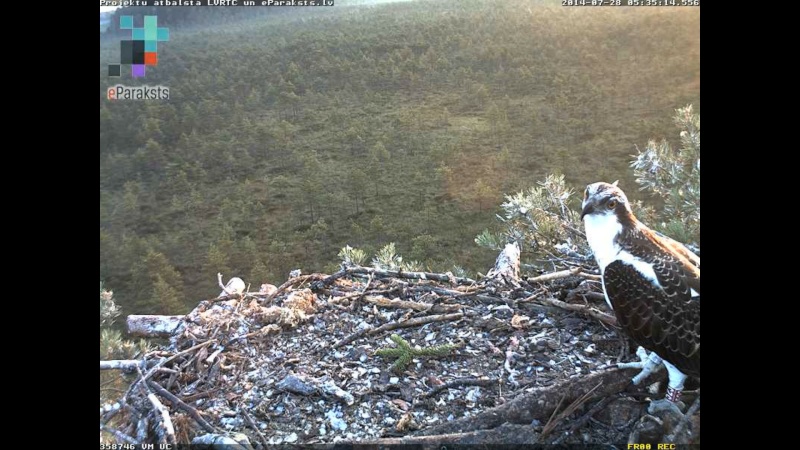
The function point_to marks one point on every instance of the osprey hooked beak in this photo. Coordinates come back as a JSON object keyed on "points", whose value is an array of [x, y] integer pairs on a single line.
{"points": [[588, 208]]}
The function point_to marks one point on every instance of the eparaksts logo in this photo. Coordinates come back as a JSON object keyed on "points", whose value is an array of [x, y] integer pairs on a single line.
{"points": [[145, 92]]}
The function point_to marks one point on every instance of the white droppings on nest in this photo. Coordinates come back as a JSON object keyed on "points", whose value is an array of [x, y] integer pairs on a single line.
{"points": [[303, 344]]}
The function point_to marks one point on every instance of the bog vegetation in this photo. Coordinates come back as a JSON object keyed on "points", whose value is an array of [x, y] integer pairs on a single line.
{"points": [[290, 136]]}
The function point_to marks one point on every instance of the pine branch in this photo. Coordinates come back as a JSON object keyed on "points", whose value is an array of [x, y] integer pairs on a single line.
{"points": [[405, 353]]}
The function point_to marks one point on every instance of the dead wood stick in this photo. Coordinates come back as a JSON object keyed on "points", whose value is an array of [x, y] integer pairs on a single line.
{"points": [[263, 331], [441, 291], [594, 296], [576, 425], [125, 365], [444, 277], [457, 291], [149, 325], [289, 282], [415, 322], [592, 312], [199, 395], [204, 304], [487, 298], [161, 410], [355, 303], [684, 421], [178, 403], [459, 382], [506, 267], [539, 404], [553, 422], [217, 441], [563, 274], [253, 425], [161, 363], [396, 303], [353, 336], [504, 435], [118, 434]]}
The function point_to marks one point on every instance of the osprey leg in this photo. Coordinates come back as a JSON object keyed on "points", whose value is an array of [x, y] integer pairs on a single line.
{"points": [[676, 379], [647, 363]]}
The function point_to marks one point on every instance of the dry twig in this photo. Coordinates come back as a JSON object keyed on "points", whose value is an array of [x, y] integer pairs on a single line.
{"points": [[415, 322], [178, 403]]}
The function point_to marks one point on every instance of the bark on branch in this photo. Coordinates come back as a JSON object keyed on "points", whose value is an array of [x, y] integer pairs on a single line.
{"points": [[541, 403], [383, 273], [504, 435], [125, 365], [601, 316], [506, 267], [153, 325]]}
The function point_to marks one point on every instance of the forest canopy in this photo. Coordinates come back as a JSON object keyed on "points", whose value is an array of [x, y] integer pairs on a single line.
{"points": [[290, 136]]}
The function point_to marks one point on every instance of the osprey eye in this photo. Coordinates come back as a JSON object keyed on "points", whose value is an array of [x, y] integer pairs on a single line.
{"points": [[612, 204]]}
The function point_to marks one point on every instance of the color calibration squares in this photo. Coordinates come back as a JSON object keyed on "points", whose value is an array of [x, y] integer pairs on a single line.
{"points": [[142, 49]]}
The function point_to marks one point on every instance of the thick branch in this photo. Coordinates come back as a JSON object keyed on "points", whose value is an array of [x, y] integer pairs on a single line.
{"points": [[504, 435], [397, 303], [153, 325], [506, 267], [290, 282], [563, 274], [178, 403], [118, 434], [383, 273], [217, 441], [162, 410], [601, 316], [125, 365], [540, 404]]}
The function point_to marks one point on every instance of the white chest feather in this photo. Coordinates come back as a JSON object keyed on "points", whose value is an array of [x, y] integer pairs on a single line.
{"points": [[601, 232]]}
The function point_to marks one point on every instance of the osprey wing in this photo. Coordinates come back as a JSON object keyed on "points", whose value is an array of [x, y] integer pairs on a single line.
{"points": [[666, 321], [677, 269]]}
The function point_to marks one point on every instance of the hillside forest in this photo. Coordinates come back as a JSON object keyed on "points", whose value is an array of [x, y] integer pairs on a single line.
{"points": [[288, 136]]}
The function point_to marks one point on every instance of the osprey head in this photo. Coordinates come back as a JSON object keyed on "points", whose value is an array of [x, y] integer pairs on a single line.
{"points": [[605, 200]]}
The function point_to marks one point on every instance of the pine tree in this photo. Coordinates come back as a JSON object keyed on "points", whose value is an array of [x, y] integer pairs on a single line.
{"points": [[674, 175], [544, 219]]}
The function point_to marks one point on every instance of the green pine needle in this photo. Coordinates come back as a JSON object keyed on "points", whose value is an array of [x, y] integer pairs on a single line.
{"points": [[405, 353]]}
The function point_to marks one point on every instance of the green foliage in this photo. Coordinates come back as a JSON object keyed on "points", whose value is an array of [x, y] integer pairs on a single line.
{"points": [[158, 286], [352, 256], [109, 311], [113, 346], [405, 353], [674, 175], [387, 258], [459, 271], [543, 221]]}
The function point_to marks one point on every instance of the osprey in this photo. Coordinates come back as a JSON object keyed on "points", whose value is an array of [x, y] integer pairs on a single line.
{"points": [[650, 281]]}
